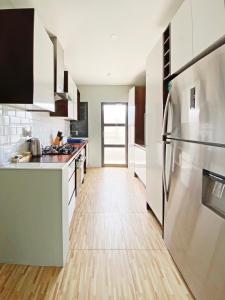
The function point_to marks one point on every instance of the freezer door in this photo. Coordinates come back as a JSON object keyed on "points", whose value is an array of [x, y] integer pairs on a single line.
{"points": [[194, 228], [198, 101]]}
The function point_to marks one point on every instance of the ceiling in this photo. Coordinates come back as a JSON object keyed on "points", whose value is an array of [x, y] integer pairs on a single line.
{"points": [[105, 41]]}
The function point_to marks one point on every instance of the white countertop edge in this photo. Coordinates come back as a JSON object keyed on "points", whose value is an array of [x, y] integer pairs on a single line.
{"points": [[33, 166], [140, 146]]}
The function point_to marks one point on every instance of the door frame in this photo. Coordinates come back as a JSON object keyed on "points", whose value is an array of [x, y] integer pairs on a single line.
{"points": [[116, 146]]}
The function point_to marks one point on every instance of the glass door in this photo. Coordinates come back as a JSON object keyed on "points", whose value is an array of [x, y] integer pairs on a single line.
{"points": [[114, 134]]}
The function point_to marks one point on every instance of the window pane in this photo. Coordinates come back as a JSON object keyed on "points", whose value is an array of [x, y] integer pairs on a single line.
{"points": [[115, 113], [114, 135], [114, 156]]}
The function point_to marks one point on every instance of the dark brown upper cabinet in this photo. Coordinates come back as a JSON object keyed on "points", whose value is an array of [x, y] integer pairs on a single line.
{"points": [[79, 115], [58, 66], [26, 61], [139, 131]]}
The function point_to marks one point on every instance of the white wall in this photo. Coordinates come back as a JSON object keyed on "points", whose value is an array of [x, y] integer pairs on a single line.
{"points": [[5, 4], [94, 95]]}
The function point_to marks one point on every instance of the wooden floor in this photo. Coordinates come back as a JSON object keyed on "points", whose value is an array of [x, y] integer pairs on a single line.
{"points": [[116, 250]]}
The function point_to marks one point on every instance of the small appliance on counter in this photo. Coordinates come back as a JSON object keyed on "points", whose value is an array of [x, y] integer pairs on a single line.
{"points": [[35, 147]]}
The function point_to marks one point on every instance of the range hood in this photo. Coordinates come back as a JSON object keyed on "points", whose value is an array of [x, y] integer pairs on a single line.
{"points": [[58, 69]]}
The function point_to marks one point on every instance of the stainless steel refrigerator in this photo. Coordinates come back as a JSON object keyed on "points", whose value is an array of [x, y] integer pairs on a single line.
{"points": [[194, 175]]}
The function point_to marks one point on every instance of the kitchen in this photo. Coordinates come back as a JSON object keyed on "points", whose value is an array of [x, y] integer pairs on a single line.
{"points": [[107, 169]]}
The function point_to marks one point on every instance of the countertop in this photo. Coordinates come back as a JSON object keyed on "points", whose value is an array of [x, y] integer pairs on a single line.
{"points": [[140, 146], [51, 162]]}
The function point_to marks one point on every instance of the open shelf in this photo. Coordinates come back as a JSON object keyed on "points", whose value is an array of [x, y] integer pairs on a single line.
{"points": [[166, 63]]}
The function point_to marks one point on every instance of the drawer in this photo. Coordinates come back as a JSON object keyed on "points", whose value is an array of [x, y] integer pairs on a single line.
{"points": [[82, 152], [71, 169], [78, 180], [71, 207], [71, 187]]}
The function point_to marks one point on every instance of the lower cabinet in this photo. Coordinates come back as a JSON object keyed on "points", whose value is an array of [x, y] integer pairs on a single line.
{"points": [[71, 189], [140, 162], [71, 207]]}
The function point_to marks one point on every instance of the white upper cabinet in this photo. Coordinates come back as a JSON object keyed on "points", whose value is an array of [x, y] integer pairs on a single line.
{"points": [[43, 95], [58, 65], [197, 25], [70, 97], [181, 37], [208, 23]]}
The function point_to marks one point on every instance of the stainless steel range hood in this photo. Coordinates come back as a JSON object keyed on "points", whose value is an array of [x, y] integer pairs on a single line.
{"points": [[58, 66]]}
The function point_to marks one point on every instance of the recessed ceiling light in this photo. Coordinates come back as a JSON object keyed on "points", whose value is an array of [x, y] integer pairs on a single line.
{"points": [[114, 36]]}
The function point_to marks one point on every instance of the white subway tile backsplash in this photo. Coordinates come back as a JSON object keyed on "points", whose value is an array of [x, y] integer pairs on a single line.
{"points": [[17, 124], [4, 120], [19, 130], [9, 111], [20, 113], [10, 130], [25, 121], [2, 130], [28, 115], [14, 139], [14, 120], [4, 139]]}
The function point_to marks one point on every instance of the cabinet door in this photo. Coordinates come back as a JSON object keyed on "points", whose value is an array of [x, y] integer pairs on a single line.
{"points": [[154, 117], [140, 163], [75, 109], [43, 95], [208, 23], [70, 97], [181, 37], [131, 121]]}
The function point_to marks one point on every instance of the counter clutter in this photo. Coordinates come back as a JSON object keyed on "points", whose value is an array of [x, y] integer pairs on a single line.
{"points": [[37, 204]]}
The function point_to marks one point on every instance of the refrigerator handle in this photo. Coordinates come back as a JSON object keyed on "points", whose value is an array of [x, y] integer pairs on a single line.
{"points": [[164, 170], [164, 133]]}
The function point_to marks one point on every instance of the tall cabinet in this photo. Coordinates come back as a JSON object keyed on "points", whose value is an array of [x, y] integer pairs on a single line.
{"points": [[131, 128], [196, 26], [136, 132], [154, 117], [208, 23]]}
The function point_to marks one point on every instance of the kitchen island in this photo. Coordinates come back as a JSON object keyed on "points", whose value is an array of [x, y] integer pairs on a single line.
{"points": [[37, 200]]}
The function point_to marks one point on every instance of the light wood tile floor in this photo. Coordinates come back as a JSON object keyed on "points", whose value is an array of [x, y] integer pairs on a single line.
{"points": [[116, 252]]}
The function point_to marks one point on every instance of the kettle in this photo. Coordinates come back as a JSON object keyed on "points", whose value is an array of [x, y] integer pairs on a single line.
{"points": [[35, 147]]}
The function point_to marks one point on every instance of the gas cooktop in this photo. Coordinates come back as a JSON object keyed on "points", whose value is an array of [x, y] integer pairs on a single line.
{"points": [[59, 150]]}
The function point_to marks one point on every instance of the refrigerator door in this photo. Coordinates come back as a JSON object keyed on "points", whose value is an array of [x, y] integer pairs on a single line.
{"points": [[194, 230], [198, 101]]}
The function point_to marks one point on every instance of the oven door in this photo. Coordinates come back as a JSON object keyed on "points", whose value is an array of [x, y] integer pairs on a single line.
{"points": [[194, 229]]}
